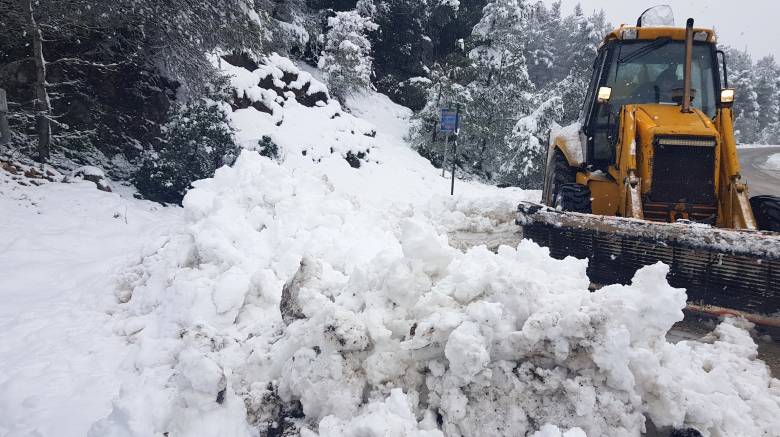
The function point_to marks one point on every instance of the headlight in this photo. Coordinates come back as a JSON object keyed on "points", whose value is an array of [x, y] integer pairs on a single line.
{"points": [[690, 142], [727, 96]]}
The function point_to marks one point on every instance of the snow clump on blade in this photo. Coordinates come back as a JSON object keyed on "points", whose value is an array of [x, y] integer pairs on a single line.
{"points": [[310, 298]]}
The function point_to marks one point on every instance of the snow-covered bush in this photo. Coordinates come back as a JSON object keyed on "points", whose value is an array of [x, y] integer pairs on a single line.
{"points": [[195, 142], [346, 59]]}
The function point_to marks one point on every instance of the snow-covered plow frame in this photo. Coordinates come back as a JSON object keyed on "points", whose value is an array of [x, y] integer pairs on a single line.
{"points": [[724, 271]]}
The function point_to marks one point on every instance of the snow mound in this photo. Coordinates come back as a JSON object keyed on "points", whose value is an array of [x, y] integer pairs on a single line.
{"points": [[389, 329], [307, 297], [773, 162]]}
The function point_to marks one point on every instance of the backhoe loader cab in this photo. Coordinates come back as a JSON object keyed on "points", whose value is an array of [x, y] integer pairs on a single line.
{"points": [[644, 71]]}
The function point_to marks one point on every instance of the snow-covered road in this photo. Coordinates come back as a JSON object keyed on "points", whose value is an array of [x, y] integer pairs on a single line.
{"points": [[64, 248], [762, 179]]}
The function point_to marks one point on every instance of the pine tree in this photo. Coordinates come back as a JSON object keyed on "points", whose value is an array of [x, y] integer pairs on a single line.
{"points": [[768, 98], [501, 89], [746, 110], [544, 28], [346, 59], [580, 50]]}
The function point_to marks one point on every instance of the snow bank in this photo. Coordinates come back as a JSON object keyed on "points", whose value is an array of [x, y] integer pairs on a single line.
{"points": [[773, 162], [310, 297]]}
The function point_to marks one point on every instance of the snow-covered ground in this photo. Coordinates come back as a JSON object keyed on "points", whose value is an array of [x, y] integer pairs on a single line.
{"points": [[773, 162], [308, 297], [64, 251]]}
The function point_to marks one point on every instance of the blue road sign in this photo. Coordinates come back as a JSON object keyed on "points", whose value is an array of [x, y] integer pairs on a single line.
{"points": [[448, 120]]}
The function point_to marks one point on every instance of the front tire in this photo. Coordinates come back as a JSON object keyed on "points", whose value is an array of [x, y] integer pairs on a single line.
{"points": [[766, 209], [560, 174], [565, 193], [574, 198]]}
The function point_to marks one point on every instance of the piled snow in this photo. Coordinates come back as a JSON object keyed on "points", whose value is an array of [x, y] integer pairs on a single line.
{"points": [[571, 136], [309, 297], [773, 162], [64, 249]]}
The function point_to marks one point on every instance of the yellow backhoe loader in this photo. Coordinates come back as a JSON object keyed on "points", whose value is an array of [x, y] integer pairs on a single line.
{"points": [[650, 173]]}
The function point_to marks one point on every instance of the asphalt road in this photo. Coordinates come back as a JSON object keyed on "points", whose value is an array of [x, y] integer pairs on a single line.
{"points": [[760, 180]]}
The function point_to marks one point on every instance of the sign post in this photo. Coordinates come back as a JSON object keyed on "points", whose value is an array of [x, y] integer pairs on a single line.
{"points": [[455, 150], [448, 123], [5, 132]]}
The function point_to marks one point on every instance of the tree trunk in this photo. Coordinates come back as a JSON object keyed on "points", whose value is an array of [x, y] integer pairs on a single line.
{"points": [[5, 133], [42, 103]]}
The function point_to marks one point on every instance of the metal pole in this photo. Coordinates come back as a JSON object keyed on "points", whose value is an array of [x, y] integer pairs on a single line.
{"points": [[686, 103], [455, 150], [444, 155], [5, 132]]}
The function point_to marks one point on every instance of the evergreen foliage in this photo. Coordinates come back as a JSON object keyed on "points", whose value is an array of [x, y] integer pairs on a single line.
{"points": [[346, 59], [195, 142]]}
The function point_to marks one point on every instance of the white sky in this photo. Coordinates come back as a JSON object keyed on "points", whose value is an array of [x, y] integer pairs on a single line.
{"points": [[751, 24]]}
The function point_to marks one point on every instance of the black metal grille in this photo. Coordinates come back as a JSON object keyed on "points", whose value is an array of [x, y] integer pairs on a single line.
{"points": [[683, 174], [710, 277]]}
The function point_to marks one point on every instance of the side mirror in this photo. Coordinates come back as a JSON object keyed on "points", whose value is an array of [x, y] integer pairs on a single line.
{"points": [[605, 93], [727, 97]]}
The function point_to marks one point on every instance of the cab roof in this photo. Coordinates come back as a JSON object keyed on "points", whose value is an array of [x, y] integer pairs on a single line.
{"points": [[635, 33]]}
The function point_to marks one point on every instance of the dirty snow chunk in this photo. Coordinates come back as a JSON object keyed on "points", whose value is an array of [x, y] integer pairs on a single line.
{"points": [[392, 418], [347, 332], [773, 163]]}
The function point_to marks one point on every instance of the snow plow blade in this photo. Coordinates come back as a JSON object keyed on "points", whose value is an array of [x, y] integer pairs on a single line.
{"points": [[724, 271]]}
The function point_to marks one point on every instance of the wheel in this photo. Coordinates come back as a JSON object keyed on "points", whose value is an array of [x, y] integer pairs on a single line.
{"points": [[574, 198], [561, 174], [766, 209]]}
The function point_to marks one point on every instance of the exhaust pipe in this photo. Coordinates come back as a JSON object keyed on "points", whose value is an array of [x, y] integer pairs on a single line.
{"points": [[686, 103]]}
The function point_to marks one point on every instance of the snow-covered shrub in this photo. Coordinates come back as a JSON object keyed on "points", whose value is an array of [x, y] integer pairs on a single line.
{"points": [[346, 59], [286, 113], [196, 141]]}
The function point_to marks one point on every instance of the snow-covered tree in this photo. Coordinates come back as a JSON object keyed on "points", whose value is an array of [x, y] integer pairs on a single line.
{"points": [[522, 162], [346, 59], [501, 89], [444, 91], [767, 88], [746, 109]]}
